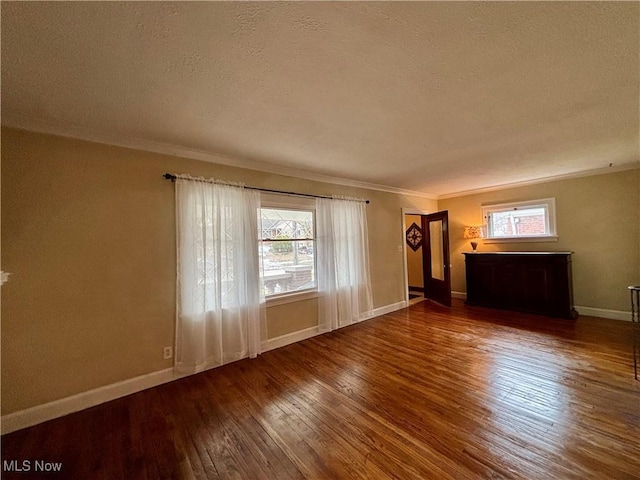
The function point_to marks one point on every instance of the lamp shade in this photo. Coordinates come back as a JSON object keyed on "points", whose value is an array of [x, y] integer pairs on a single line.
{"points": [[472, 232]]}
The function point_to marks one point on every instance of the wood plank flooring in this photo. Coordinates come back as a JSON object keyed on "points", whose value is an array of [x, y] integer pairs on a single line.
{"points": [[423, 393]]}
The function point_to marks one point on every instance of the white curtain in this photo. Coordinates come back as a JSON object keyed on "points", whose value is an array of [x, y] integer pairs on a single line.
{"points": [[220, 305], [344, 283]]}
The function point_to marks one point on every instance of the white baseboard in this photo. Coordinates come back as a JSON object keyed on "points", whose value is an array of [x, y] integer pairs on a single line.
{"points": [[289, 338], [389, 308], [58, 408], [604, 313], [590, 311], [64, 406]]}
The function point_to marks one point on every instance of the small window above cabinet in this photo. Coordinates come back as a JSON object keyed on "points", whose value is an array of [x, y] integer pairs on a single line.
{"points": [[530, 221]]}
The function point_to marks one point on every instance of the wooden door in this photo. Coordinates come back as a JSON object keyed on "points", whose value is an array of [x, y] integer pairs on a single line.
{"points": [[435, 257]]}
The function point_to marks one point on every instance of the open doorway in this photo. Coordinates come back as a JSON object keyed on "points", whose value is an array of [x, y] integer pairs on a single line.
{"points": [[414, 241]]}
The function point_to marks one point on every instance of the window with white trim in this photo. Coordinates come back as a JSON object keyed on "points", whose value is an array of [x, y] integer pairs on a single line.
{"points": [[530, 220], [287, 250]]}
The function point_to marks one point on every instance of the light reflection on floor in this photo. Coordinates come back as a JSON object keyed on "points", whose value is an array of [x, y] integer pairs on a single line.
{"points": [[531, 407]]}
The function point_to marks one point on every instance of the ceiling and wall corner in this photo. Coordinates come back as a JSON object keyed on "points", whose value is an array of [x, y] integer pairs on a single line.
{"points": [[432, 97]]}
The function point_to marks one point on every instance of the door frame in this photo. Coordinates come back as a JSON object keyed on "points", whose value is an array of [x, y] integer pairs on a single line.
{"points": [[409, 211]]}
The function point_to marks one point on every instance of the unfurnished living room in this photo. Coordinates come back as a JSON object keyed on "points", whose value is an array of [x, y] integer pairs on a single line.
{"points": [[320, 240]]}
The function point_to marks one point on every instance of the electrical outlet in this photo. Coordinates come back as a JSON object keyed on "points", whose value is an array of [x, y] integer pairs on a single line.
{"points": [[167, 353]]}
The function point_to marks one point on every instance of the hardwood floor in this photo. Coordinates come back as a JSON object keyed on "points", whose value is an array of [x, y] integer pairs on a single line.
{"points": [[422, 393]]}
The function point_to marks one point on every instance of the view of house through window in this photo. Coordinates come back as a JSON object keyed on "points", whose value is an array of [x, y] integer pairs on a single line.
{"points": [[526, 222], [286, 250], [522, 219]]}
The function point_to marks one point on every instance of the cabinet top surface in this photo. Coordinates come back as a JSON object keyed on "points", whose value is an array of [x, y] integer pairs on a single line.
{"points": [[517, 253]]}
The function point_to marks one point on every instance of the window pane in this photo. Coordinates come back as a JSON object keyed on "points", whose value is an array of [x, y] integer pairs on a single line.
{"points": [[285, 224], [524, 222], [286, 250], [287, 266]]}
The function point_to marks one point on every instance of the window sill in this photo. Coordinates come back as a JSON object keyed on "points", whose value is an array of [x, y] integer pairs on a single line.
{"points": [[291, 297], [550, 238]]}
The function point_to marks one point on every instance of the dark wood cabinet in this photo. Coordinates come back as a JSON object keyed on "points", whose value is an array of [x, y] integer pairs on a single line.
{"points": [[533, 282]]}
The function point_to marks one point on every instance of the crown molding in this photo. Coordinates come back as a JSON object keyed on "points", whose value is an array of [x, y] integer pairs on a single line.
{"points": [[554, 178], [80, 133]]}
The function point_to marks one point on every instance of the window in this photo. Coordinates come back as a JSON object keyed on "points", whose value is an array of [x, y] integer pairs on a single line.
{"points": [[530, 221], [286, 248]]}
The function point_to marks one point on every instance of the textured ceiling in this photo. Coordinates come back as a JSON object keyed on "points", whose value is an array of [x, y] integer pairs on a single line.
{"points": [[425, 96]]}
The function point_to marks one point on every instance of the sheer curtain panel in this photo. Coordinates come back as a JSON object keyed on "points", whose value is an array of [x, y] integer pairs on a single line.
{"points": [[220, 305], [344, 283]]}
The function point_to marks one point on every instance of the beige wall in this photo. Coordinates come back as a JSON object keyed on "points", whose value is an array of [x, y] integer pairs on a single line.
{"points": [[88, 235], [414, 259], [597, 218]]}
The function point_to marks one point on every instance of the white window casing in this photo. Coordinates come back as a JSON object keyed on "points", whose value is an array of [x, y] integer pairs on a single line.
{"points": [[525, 221], [280, 282]]}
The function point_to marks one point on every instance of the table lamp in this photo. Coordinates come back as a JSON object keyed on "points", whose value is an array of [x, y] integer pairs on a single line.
{"points": [[473, 232]]}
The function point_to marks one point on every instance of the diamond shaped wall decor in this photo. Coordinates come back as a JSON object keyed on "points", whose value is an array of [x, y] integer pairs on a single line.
{"points": [[414, 237]]}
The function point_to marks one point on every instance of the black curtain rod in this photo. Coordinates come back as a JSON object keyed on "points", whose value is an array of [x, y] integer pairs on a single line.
{"points": [[172, 177]]}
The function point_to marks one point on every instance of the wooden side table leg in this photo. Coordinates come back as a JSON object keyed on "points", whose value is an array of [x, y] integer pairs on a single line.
{"points": [[635, 320]]}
